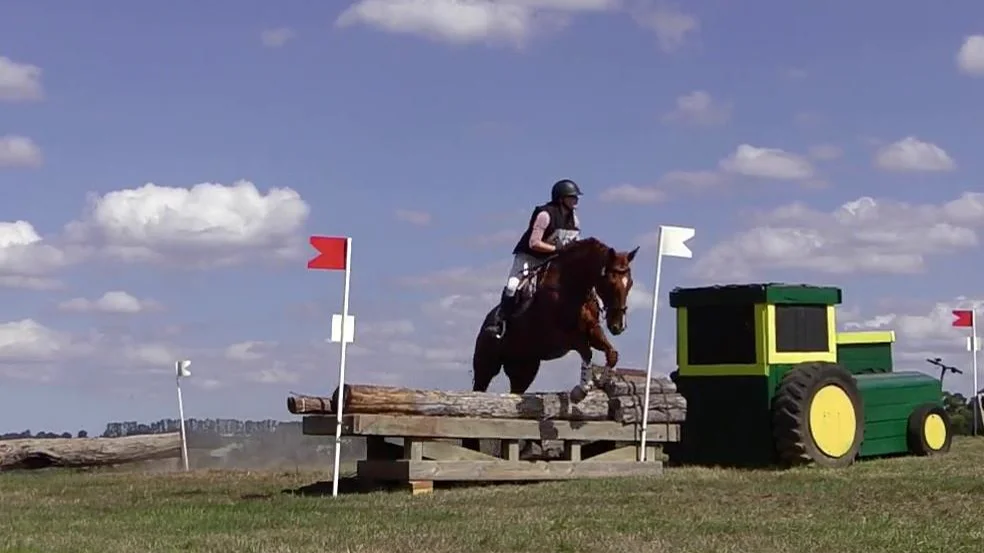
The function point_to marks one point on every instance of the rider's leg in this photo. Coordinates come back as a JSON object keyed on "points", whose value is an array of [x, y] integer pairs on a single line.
{"points": [[507, 300]]}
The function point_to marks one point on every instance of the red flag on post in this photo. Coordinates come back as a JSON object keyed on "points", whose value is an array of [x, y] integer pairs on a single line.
{"points": [[331, 253], [964, 317]]}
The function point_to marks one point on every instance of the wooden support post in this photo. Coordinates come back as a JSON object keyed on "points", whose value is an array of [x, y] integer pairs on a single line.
{"points": [[510, 450], [572, 451], [413, 449]]}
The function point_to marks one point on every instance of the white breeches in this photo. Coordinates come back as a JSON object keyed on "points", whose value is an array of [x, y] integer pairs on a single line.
{"points": [[520, 265]]}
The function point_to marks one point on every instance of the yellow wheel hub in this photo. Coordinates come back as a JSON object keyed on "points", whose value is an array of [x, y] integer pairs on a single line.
{"points": [[832, 420], [934, 431]]}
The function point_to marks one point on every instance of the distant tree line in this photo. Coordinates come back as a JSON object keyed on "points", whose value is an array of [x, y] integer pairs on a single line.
{"points": [[962, 412], [219, 427]]}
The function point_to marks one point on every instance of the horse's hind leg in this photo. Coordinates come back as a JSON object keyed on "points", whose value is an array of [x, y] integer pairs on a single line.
{"points": [[521, 374], [486, 363]]}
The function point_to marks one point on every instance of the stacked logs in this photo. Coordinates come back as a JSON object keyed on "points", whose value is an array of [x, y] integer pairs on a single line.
{"points": [[618, 395]]}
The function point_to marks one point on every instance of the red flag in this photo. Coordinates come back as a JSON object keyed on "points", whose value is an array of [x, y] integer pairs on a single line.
{"points": [[965, 317], [331, 253]]}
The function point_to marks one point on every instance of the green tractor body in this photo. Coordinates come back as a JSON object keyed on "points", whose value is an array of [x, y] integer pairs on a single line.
{"points": [[768, 380]]}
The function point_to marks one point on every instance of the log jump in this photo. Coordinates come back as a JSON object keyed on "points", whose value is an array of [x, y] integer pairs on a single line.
{"points": [[419, 436], [87, 452]]}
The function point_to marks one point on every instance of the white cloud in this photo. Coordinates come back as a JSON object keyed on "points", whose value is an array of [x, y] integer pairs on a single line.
{"points": [[698, 107], [249, 350], [205, 225], [156, 355], [912, 154], [28, 341], [19, 151], [469, 21], [277, 37], [114, 301], [25, 258], [768, 163], [864, 235], [970, 57], [630, 193], [419, 218], [669, 23], [19, 82], [446, 20]]}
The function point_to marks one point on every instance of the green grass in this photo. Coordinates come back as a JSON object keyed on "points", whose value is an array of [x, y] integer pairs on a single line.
{"points": [[903, 505]]}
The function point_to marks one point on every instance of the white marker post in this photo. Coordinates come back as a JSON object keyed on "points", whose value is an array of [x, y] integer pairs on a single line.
{"points": [[336, 253], [672, 242], [967, 318], [181, 370]]}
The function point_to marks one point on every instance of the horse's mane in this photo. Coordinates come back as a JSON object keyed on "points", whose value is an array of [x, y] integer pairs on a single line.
{"points": [[582, 260]]}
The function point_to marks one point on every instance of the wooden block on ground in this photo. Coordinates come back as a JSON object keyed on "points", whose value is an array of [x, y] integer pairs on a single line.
{"points": [[501, 471]]}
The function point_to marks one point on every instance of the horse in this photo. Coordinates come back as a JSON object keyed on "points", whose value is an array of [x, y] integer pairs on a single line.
{"points": [[558, 312]]}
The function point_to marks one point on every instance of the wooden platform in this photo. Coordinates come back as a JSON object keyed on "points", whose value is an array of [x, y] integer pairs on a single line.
{"points": [[419, 450]]}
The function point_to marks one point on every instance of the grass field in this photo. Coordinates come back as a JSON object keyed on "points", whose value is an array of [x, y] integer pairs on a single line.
{"points": [[905, 505]]}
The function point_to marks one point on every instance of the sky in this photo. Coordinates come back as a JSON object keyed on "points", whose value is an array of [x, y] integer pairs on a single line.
{"points": [[162, 167]]}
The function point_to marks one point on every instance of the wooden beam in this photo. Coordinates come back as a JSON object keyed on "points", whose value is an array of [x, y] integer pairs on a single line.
{"points": [[506, 429], [491, 471]]}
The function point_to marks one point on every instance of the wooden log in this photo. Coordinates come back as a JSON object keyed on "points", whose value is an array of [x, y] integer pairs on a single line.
{"points": [[391, 400], [625, 382], [35, 453], [662, 408], [300, 405]]}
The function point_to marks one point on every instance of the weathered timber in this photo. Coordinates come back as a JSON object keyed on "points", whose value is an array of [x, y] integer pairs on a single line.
{"points": [[625, 382], [500, 429], [662, 408], [87, 452], [390, 400], [491, 471], [300, 405]]}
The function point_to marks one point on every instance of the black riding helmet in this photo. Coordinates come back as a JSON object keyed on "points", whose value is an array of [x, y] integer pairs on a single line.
{"points": [[562, 188]]}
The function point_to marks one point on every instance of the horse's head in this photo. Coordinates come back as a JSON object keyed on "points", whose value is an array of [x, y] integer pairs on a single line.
{"points": [[613, 288]]}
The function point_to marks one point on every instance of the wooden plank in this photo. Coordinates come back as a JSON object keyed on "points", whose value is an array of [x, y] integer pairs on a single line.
{"points": [[441, 451], [507, 429], [499, 471], [625, 453]]}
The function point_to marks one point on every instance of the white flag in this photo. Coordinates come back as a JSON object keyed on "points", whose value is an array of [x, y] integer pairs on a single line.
{"points": [[973, 343], [673, 241], [181, 368], [336, 328]]}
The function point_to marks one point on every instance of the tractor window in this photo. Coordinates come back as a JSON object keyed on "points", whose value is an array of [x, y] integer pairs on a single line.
{"points": [[801, 328], [721, 335]]}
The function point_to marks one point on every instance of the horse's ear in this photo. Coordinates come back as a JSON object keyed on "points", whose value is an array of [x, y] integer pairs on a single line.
{"points": [[611, 255], [633, 253]]}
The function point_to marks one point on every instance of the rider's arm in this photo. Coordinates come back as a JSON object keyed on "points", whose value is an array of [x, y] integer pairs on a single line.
{"points": [[536, 237]]}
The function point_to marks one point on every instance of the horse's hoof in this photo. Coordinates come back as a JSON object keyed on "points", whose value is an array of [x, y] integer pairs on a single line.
{"points": [[578, 393]]}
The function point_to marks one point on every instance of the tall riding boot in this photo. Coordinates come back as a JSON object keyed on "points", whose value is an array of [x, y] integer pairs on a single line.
{"points": [[502, 313]]}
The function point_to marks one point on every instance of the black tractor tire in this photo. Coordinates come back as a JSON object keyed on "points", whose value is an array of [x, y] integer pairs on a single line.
{"points": [[791, 405]]}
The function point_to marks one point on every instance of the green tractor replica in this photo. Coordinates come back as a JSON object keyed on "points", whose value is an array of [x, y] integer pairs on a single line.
{"points": [[769, 381]]}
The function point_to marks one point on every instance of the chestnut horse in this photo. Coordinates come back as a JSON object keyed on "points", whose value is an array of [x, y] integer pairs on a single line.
{"points": [[561, 314]]}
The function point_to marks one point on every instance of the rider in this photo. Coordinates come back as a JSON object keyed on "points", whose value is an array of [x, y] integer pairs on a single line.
{"points": [[552, 225]]}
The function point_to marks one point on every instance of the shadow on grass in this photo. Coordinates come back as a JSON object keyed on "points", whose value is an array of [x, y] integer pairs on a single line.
{"points": [[354, 486]]}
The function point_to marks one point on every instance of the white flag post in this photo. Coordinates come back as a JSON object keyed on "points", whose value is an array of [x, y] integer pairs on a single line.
{"points": [[672, 242], [968, 318], [181, 370], [975, 346], [335, 253]]}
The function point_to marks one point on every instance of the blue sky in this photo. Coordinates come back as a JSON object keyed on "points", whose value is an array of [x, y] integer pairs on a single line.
{"points": [[427, 130]]}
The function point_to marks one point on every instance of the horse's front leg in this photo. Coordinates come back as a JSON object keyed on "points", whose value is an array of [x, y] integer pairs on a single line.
{"points": [[586, 382], [598, 340]]}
